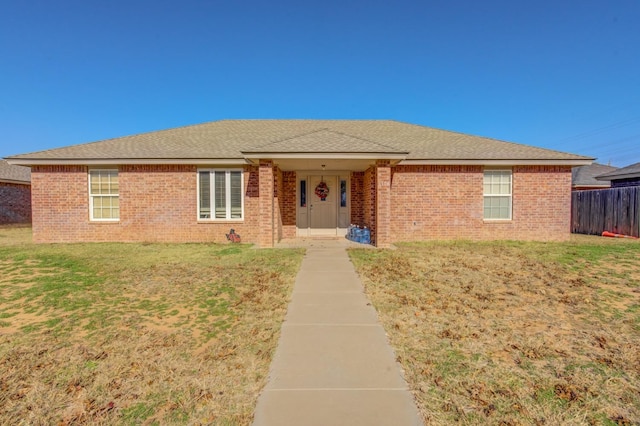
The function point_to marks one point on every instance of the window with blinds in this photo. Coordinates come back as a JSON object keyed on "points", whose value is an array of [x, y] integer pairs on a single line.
{"points": [[104, 198], [497, 194], [204, 195], [220, 194]]}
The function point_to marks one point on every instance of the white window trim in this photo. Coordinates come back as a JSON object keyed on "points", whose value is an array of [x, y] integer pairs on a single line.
{"points": [[91, 196], [510, 196], [227, 182]]}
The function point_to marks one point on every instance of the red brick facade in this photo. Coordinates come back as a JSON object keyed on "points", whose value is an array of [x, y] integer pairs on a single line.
{"points": [[288, 205], [398, 203], [383, 196], [15, 203], [278, 189], [368, 202], [446, 202], [357, 199], [157, 203], [267, 205]]}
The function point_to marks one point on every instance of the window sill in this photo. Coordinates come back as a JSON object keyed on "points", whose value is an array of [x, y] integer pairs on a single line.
{"points": [[498, 221], [209, 221], [104, 222]]}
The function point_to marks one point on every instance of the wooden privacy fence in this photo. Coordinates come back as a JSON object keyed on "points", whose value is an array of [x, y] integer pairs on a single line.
{"points": [[615, 210]]}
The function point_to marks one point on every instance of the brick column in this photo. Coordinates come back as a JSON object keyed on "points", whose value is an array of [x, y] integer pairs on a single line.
{"points": [[369, 201], [383, 204], [266, 210]]}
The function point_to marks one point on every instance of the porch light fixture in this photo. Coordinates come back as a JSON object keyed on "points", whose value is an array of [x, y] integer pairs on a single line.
{"points": [[323, 167]]}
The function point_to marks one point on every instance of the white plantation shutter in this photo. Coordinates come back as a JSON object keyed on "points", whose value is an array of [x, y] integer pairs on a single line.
{"points": [[220, 195], [236, 195], [204, 194], [224, 195]]}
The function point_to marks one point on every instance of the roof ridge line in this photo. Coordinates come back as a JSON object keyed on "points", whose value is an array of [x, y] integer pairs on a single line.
{"points": [[331, 131], [291, 137], [364, 139]]}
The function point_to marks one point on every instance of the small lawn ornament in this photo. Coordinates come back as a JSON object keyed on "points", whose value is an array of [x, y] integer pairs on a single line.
{"points": [[232, 236]]}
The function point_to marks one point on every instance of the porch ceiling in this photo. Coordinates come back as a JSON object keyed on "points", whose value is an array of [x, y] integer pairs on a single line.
{"points": [[328, 164]]}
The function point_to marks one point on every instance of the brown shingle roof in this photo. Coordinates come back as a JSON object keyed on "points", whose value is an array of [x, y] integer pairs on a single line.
{"points": [[325, 141], [10, 173], [228, 139]]}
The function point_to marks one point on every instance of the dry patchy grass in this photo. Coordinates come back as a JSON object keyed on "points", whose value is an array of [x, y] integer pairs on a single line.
{"points": [[137, 333], [509, 333]]}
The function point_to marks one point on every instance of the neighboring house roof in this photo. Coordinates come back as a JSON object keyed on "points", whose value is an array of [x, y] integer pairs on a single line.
{"points": [[585, 176], [14, 174], [240, 140], [628, 172]]}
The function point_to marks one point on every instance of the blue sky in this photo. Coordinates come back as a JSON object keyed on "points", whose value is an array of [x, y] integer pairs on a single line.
{"points": [[563, 75]]}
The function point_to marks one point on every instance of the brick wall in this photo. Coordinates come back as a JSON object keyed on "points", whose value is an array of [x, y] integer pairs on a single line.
{"points": [[541, 205], [278, 189], [288, 204], [15, 203], [59, 203], [446, 202], [383, 205], [266, 206], [157, 203], [369, 200], [357, 200]]}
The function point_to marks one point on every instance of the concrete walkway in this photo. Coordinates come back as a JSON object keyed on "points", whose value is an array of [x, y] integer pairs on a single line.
{"points": [[333, 364]]}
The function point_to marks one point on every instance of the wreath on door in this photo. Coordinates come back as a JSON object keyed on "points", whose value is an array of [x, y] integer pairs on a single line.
{"points": [[322, 191]]}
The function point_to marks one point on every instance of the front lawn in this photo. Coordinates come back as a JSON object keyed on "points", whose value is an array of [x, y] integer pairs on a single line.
{"points": [[507, 333], [137, 333]]}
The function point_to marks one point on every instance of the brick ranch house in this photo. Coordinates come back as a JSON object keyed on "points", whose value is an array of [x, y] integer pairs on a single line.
{"points": [[280, 179], [15, 194]]}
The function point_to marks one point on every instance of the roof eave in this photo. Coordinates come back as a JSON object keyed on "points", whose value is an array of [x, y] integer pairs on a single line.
{"points": [[619, 177], [250, 158], [15, 182], [502, 162], [328, 155], [117, 161]]}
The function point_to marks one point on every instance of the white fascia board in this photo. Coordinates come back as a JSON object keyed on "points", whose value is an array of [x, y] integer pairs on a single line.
{"points": [[15, 182], [496, 162], [619, 176], [115, 161], [323, 156]]}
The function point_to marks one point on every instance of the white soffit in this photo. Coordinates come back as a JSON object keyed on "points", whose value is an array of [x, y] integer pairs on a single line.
{"points": [[495, 162], [115, 162]]}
